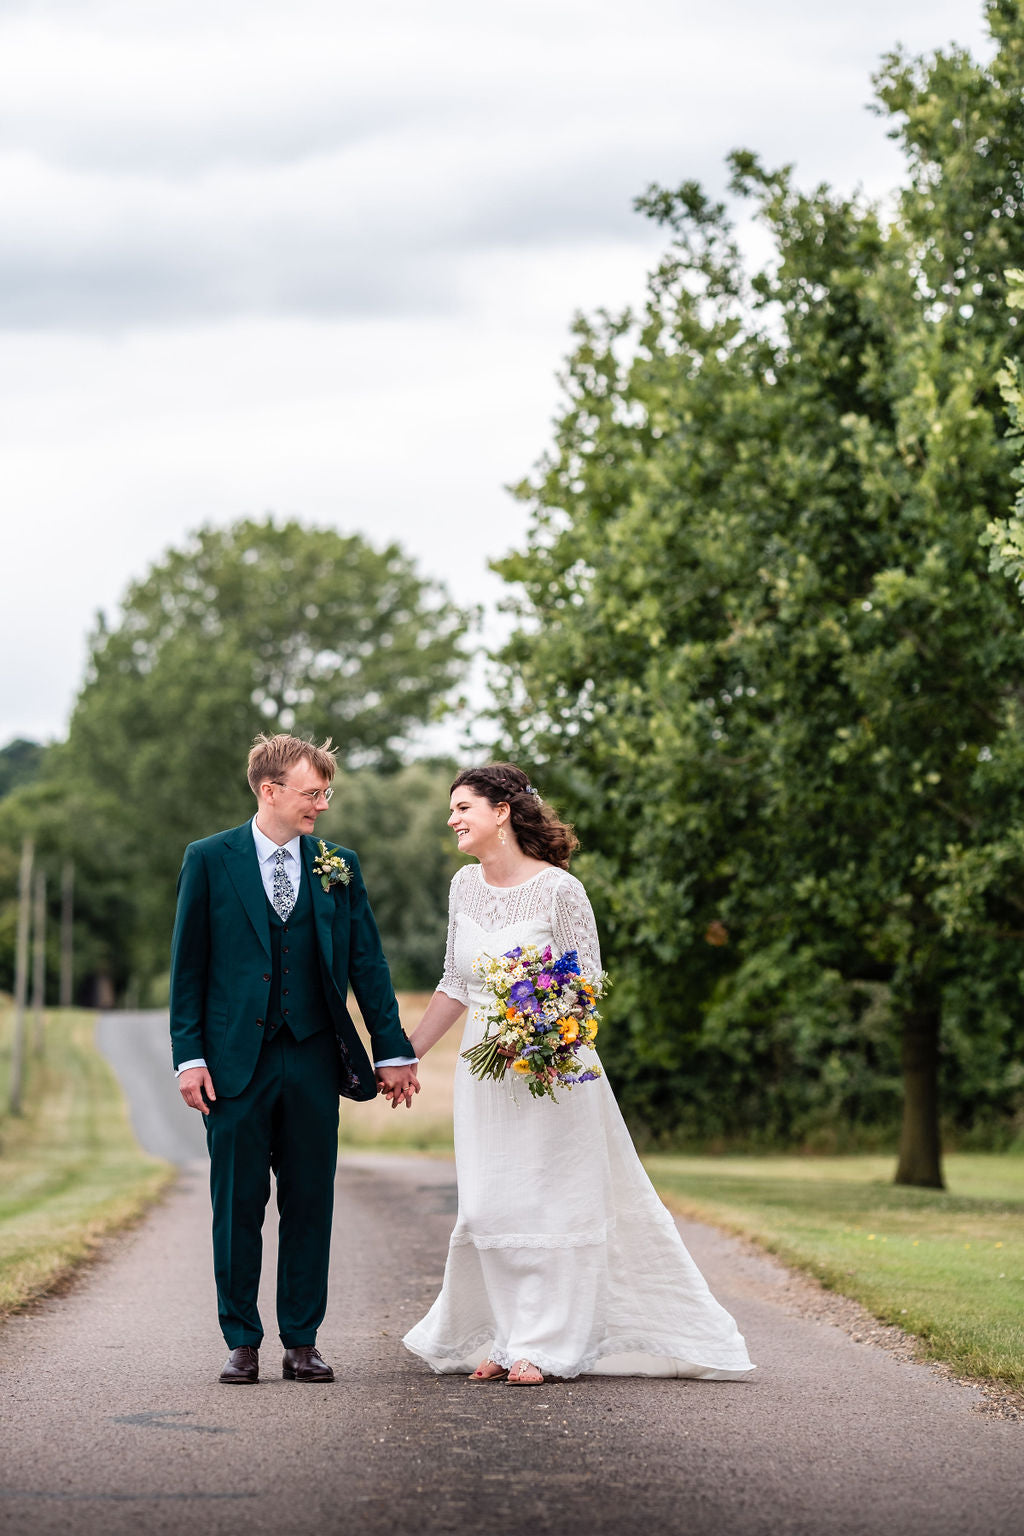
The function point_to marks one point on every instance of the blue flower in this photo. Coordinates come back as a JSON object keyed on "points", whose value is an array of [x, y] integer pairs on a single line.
{"points": [[567, 964]]}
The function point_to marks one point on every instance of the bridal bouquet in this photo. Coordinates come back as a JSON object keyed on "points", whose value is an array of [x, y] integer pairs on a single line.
{"points": [[543, 1012]]}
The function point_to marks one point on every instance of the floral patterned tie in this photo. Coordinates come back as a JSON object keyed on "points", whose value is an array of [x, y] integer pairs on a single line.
{"points": [[284, 896]]}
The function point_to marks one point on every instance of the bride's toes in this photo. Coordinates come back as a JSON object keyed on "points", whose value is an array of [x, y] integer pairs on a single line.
{"points": [[525, 1374], [489, 1370]]}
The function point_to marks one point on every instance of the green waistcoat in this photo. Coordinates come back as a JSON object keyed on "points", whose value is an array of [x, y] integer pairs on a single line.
{"points": [[297, 997]]}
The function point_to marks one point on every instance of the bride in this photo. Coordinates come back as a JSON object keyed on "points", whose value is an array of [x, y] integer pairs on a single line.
{"points": [[563, 1259]]}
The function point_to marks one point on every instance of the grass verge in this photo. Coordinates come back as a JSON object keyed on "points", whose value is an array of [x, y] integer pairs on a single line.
{"points": [[946, 1265], [70, 1168]]}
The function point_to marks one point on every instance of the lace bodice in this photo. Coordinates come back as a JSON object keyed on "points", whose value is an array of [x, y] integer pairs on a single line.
{"points": [[553, 898]]}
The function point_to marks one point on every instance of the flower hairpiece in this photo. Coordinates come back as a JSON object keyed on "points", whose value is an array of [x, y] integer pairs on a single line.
{"points": [[531, 791]]}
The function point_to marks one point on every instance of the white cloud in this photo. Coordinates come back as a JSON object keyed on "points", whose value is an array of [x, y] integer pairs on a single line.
{"points": [[322, 259]]}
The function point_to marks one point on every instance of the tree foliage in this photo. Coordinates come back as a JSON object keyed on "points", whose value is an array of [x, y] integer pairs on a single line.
{"points": [[21, 761], [760, 649], [260, 626]]}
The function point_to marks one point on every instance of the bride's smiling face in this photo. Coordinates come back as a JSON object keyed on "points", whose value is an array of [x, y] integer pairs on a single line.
{"points": [[475, 821]]}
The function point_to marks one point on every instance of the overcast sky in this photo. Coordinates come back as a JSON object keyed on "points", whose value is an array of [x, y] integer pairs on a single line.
{"points": [[321, 259]]}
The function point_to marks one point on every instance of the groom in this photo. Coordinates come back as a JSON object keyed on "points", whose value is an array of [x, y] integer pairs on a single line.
{"points": [[261, 961]]}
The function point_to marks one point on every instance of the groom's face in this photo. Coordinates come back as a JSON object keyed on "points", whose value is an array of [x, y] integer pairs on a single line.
{"points": [[292, 807]]}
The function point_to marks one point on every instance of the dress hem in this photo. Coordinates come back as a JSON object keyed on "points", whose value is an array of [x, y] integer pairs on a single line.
{"points": [[453, 1360]]}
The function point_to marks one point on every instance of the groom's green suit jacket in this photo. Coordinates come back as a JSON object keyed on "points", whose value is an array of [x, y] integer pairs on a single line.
{"points": [[221, 963]]}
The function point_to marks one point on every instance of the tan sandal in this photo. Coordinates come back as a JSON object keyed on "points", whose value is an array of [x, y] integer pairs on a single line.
{"points": [[498, 1374], [519, 1380]]}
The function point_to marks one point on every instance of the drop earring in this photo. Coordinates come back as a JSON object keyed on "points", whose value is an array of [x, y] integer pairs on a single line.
{"points": [[501, 834]]}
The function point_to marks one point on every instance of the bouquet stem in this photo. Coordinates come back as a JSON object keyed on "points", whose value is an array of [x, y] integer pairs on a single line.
{"points": [[486, 1059]]}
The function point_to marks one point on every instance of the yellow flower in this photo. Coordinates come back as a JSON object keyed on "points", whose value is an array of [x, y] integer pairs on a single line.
{"points": [[521, 1066], [570, 1030]]}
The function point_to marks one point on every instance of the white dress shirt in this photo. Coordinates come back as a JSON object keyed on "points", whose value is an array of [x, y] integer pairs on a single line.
{"points": [[266, 852]]}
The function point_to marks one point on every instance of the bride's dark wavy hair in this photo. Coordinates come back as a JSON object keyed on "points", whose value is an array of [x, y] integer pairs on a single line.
{"points": [[537, 828]]}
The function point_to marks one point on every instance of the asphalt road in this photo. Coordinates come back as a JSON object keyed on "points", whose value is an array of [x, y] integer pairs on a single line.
{"points": [[112, 1419]]}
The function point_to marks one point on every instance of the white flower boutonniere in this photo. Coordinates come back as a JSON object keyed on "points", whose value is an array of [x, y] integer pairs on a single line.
{"points": [[331, 867]]}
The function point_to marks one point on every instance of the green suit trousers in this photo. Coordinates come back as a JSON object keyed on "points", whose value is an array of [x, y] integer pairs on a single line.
{"points": [[285, 1119]]}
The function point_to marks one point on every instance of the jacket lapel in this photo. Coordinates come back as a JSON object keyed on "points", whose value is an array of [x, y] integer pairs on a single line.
{"points": [[323, 902], [243, 867]]}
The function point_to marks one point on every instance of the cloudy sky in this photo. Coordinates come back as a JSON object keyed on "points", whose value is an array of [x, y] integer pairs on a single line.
{"points": [[320, 259]]}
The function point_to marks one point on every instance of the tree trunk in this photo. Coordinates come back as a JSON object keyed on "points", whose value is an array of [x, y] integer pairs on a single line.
{"points": [[920, 1160], [39, 963], [21, 976], [67, 900]]}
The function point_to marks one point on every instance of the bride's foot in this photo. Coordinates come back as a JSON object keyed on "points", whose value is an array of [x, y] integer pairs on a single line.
{"points": [[525, 1374], [489, 1370]]}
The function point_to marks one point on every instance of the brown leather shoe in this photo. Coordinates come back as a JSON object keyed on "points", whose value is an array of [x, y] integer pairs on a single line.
{"points": [[305, 1363], [243, 1366]]}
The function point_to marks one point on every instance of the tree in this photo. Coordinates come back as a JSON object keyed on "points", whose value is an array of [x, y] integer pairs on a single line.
{"points": [[21, 761], [759, 647], [255, 627]]}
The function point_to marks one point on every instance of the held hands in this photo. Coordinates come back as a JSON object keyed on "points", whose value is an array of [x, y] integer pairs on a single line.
{"points": [[398, 1084], [192, 1084]]}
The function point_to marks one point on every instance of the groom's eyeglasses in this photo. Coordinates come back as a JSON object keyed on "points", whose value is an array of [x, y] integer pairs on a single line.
{"points": [[312, 795]]}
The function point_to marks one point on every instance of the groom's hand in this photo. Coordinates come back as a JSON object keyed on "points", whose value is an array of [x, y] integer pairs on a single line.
{"points": [[193, 1083], [398, 1084]]}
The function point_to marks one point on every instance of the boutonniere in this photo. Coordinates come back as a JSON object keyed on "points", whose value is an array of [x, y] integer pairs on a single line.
{"points": [[331, 867]]}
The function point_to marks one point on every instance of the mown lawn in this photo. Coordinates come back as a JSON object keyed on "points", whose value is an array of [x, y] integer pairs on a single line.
{"points": [[946, 1265], [70, 1168]]}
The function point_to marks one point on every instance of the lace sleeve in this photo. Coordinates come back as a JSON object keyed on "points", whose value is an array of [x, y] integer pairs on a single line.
{"points": [[451, 982], [572, 921]]}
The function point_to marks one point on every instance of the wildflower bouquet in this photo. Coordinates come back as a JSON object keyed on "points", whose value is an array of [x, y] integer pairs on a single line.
{"points": [[542, 1014]]}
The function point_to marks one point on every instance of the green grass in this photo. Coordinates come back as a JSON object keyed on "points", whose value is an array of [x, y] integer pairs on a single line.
{"points": [[947, 1265], [70, 1168]]}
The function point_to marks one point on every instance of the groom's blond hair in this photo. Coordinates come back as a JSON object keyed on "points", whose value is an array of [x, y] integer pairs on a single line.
{"points": [[271, 756]]}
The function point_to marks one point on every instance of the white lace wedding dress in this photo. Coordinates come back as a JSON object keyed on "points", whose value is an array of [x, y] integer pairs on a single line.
{"points": [[562, 1252]]}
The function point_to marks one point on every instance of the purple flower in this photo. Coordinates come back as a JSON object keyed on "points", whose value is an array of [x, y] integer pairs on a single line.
{"points": [[513, 954], [544, 979], [546, 956], [521, 990]]}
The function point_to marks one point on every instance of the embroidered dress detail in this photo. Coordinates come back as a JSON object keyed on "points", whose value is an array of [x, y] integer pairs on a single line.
{"points": [[283, 899], [576, 1273]]}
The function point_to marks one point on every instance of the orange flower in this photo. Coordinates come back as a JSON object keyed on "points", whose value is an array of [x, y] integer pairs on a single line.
{"points": [[570, 1030], [511, 1013]]}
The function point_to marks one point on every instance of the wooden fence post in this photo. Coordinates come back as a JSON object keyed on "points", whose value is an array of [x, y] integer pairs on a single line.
{"points": [[21, 976]]}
